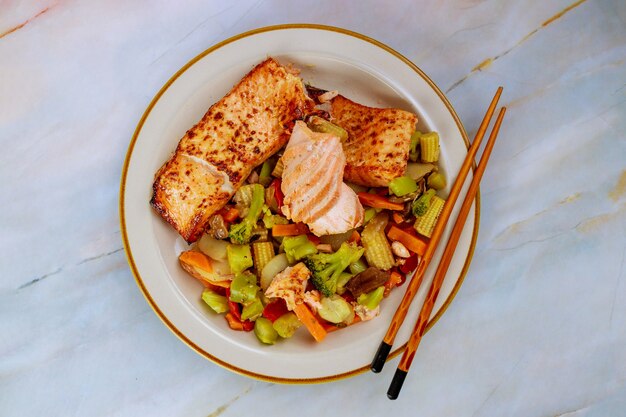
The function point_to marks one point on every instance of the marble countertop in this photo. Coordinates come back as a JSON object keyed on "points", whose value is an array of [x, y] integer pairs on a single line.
{"points": [[539, 325]]}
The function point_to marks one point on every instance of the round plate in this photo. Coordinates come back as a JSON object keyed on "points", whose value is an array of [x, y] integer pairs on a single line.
{"points": [[362, 69]]}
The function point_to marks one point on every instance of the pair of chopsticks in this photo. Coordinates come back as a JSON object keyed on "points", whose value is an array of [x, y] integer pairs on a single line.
{"points": [[416, 280]]}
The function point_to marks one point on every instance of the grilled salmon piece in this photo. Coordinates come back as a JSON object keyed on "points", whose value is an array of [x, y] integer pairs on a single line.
{"points": [[236, 134], [377, 148], [313, 183]]}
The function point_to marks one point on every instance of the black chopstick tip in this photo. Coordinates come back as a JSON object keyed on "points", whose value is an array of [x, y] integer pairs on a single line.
{"points": [[396, 384], [381, 357]]}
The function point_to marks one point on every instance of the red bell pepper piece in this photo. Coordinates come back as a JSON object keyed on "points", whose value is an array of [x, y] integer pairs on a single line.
{"points": [[314, 239], [275, 309], [278, 193]]}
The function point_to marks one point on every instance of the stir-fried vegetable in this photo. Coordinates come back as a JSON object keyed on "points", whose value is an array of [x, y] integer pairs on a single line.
{"points": [[310, 322], [262, 253], [298, 247], [335, 309], [413, 243], [371, 299], [417, 170], [429, 147], [326, 267], [425, 224], [351, 272], [318, 124], [205, 269], [420, 206], [264, 331], [286, 325], [217, 302], [243, 288], [241, 233], [358, 266], [265, 176], [271, 220], [252, 310], [377, 248], [414, 146], [377, 201], [402, 186], [276, 265], [437, 181], [239, 257]]}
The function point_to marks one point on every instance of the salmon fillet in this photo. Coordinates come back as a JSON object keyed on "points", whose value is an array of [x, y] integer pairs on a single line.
{"points": [[239, 132], [377, 148], [313, 183]]}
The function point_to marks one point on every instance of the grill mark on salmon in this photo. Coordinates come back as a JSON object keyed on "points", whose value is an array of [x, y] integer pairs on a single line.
{"points": [[377, 148], [317, 196]]}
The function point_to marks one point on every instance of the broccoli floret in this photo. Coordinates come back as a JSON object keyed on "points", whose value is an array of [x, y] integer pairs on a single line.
{"points": [[327, 267], [241, 233], [420, 206]]}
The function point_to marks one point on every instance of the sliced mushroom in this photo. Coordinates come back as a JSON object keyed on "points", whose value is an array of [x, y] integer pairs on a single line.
{"points": [[367, 281]]}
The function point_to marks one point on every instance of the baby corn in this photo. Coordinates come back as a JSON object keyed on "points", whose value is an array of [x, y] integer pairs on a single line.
{"points": [[424, 225]]}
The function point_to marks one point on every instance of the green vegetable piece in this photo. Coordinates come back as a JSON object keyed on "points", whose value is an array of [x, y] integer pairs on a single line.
{"points": [[402, 186], [342, 281], [436, 181], [239, 257], [369, 215], [327, 267], [335, 309], [253, 310], [358, 267], [243, 288], [372, 298], [241, 233], [298, 247], [414, 153], [269, 220], [319, 124], [218, 303], [264, 331], [291, 242], [420, 206], [265, 177], [286, 325]]}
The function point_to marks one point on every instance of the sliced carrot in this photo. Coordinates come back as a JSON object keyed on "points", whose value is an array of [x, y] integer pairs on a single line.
{"points": [[198, 265], [412, 242], [394, 280], [397, 218], [310, 322], [229, 214], [292, 229], [377, 201], [355, 237]]}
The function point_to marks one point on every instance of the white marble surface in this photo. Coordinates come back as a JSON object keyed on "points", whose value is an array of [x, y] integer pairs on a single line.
{"points": [[537, 329]]}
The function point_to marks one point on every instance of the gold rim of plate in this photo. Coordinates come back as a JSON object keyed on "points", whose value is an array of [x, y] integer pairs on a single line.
{"points": [[129, 255]]}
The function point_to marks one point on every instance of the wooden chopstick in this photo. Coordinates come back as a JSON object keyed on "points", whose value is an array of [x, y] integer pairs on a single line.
{"points": [[416, 280], [442, 269]]}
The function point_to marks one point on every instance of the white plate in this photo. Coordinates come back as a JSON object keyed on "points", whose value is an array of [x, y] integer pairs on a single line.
{"points": [[361, 69]]}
